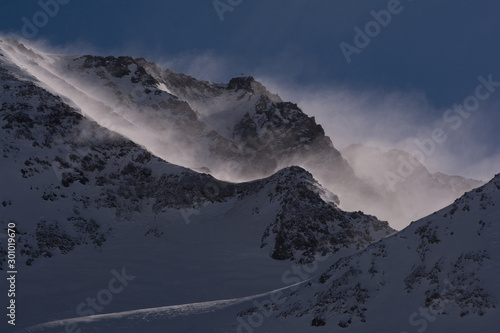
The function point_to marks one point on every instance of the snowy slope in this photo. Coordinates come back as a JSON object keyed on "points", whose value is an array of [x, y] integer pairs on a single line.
{"points": [[440, 274], [124, 99]]}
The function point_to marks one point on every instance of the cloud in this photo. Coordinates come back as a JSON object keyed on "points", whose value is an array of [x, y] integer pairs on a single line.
{"points": [[75, 47], [396, 119]]}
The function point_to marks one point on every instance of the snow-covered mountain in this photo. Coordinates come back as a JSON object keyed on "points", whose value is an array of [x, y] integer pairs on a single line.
{"points": [[437, 275], [237, 131], [80, 194], [108, 169], [71, 162]]}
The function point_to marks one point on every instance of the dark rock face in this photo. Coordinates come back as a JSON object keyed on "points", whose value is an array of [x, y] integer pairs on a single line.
{"points": [[318, 322], [307, 226], [241, 83], [119, 67], [250, 85], [279, 134], [51, 237], [274, 135], [183, 85]]}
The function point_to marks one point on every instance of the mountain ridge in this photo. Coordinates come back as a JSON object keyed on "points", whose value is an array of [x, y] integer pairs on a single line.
{"points": [[94, 175], [237, 131]]}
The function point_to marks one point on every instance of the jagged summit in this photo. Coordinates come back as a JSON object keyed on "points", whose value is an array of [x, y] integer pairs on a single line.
{"points": [[244, 83], [249, 84], [119, 67]]}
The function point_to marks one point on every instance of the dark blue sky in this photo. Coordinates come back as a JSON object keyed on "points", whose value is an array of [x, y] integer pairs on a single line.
{"points": [[437, 48]]}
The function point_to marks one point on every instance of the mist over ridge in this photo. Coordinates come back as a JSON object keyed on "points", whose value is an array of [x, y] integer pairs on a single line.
{"points": [[238, 131]]}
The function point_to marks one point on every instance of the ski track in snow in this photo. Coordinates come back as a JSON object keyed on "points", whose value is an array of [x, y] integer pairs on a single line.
{"points": [[167, 312]]}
